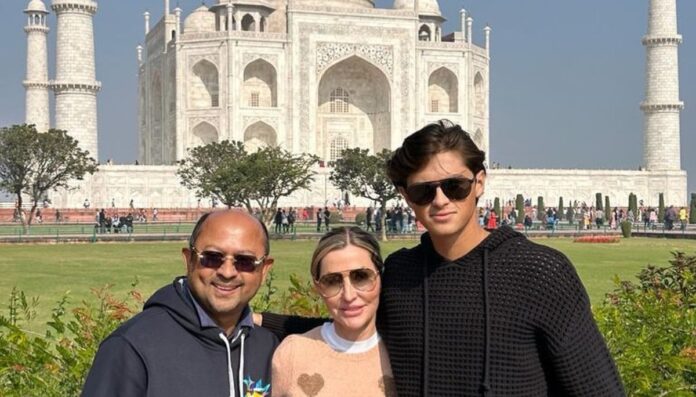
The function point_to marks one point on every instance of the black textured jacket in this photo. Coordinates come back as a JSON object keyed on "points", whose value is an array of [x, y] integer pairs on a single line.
{"points": [[510, 318], [165, 352]]}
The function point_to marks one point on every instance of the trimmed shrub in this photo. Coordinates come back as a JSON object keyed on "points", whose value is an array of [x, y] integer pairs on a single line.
{"points": [[519, 205], [692, 209], [335, 218], [661, 209], [360, 218], [607, 209], [598, 201], [570, 215], [541, 210], [559, 211], [626, 228], [496, 208]]}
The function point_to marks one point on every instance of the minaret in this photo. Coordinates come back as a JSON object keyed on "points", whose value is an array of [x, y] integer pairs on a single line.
{"points": [[661, 108], [36, 82], [75, 85]]}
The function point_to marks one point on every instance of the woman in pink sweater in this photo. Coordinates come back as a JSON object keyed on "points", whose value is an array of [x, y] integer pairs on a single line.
{"points": [[345, 357]]}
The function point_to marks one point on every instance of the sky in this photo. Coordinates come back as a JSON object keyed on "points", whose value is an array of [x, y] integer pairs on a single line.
{"points": [[567, 77]]}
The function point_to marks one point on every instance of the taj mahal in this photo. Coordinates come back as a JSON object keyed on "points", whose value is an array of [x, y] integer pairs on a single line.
{"points": [[318, 76]]}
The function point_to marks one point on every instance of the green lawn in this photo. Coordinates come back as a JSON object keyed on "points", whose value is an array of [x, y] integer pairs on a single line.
{"points": [[48, 271]]}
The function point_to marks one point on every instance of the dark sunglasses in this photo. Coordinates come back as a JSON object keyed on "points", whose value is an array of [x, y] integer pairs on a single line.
{"points": [[331, 284], [454, 188], [214, 259]]}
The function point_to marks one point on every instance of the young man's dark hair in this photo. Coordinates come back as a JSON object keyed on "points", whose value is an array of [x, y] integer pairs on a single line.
{"points": [[434, 138]]}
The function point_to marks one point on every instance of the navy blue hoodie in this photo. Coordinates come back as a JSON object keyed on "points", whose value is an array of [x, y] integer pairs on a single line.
{"points": [[164, 351]]}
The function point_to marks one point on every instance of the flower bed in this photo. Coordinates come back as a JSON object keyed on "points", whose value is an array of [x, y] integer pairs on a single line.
{"points": [[597, 239]]}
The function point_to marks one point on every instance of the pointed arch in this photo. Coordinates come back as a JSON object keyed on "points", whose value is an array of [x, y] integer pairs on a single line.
{"points": [[203, 90], [424, 33], [204, 133], [259, 135], [248, 23], [260, 84], [479, 95], [443, 91], [361, 88]]}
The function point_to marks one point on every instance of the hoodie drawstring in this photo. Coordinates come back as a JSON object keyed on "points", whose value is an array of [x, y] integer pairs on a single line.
{"points": [[486, 383], [230, 373], [241, 367], [426, 328]]}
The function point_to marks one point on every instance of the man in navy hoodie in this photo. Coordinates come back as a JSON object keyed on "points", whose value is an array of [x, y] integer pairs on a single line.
{"points": [[196, 337]]}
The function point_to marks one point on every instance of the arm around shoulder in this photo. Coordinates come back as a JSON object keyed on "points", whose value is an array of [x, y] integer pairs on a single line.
{"points": [[117, 371]]}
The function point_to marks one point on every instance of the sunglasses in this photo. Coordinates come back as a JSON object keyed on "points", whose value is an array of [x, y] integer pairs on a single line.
{"points": [[454, 188], [330, 284], [214, 259]]}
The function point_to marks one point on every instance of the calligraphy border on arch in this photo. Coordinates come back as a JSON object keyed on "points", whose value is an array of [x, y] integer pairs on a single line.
{"points": [[406, 54]]}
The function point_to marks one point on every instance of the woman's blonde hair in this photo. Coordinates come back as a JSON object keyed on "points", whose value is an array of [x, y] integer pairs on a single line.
{"points": [[341, 237]]}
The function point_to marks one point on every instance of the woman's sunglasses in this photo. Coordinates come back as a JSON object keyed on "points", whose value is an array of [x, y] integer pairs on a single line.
{"points": [[330, 284], [454, 188], [214, 259]]}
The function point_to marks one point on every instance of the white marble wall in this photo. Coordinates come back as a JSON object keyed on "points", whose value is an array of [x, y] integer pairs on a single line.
{"points": [[159, 186]]}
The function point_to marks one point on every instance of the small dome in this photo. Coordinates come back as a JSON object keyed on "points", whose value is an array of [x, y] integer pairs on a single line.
{"points": [[200, 20], [36, 6], [427, 7]]}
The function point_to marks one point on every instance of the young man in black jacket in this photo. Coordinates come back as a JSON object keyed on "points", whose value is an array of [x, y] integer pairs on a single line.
{"points": [[196, 337], [468, 312]]}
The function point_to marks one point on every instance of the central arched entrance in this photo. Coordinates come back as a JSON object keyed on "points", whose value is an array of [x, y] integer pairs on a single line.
{"points": [[354, 108]]}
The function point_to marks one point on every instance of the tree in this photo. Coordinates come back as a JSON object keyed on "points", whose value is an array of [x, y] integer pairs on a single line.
{"points": [[598, 201], [276, 173], [225, 170], [607, 209], [519, 204], [365, 175], [541, 210], [34, 164], [692, 209]]}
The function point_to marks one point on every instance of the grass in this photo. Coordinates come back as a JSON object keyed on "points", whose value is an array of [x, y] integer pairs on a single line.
{"points": [[49, 271]]}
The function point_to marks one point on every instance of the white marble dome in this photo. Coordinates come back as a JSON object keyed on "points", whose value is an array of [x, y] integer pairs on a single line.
{"points": [[36, 6], [200, 20], [265, 3], [427, 7], [338, 3]]}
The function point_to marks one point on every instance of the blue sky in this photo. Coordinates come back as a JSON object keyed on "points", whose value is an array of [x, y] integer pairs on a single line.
{"points": [[567, 77]]}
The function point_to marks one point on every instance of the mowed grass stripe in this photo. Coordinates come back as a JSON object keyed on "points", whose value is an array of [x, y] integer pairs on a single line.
{"points": [[48, 271]]}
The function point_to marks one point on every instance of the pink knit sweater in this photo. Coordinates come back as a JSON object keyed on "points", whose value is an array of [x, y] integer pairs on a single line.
{"points": [[305, 366]]}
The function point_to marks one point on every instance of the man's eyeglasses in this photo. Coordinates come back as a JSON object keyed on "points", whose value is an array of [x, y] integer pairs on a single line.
{"points": [[330, 284], [214, 259], [454, 188]]}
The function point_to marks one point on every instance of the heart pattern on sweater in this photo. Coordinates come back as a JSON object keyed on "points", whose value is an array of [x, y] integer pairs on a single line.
{"points": [[310, 385]]}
